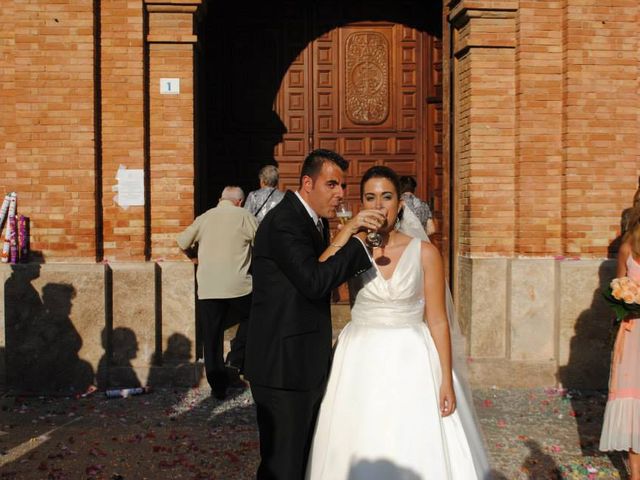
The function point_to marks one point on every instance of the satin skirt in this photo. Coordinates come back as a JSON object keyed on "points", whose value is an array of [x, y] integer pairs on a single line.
{"points": [[380, 417]]}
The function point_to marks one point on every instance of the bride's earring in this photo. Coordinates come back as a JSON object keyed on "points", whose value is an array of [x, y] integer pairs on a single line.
{"points": [[396, 226]]}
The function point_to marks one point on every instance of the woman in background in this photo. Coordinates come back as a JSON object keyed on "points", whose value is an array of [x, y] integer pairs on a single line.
{"points": [[621, 425], [421, 209]]}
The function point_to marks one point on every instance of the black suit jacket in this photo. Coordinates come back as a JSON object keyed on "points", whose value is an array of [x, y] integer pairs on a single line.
{"points": [[289, 337]]}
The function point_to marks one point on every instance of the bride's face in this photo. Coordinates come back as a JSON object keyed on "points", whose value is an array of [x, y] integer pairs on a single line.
{"points": [[379, 193]]}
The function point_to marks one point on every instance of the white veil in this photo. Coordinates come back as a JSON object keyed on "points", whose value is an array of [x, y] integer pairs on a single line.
{"points": [[410, 225]]}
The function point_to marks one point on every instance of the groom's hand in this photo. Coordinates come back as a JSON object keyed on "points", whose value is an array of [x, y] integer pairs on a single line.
{"points": [[366, 220]]}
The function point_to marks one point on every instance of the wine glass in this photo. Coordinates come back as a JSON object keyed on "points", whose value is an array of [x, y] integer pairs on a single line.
{"points": [[344, 213], [373, 238]]}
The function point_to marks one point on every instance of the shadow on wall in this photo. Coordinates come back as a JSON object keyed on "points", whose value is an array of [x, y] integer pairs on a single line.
{"points": [[115, 369], [588, 365], [590, 347], [42, 343], [175, 366]]}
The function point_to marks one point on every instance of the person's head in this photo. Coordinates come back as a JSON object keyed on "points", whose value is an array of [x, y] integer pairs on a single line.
{"points": [[233, 194], [269, 176], [322, 181], [380, 189], [407, 184]]}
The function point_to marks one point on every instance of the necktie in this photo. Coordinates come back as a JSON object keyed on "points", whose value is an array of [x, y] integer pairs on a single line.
{"points": [[320, 227]]}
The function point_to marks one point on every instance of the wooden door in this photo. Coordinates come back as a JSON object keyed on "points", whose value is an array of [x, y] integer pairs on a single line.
{"points": [[274, 83], [372, 92], [366, 98]]}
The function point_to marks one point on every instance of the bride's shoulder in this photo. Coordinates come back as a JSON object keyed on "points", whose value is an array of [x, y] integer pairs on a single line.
{"points": [[429, 252]]}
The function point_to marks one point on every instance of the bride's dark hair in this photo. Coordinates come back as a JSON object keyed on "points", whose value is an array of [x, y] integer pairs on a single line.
{"points": [[380, 171]]}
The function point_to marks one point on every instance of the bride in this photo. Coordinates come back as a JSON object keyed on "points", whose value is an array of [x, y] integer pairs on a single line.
{"points": [[394, 407]]}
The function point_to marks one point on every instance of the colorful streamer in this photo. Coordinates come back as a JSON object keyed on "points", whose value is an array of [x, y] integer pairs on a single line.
{"points": [[23, 238], [5, 207], [13, 240], [6, 248]]}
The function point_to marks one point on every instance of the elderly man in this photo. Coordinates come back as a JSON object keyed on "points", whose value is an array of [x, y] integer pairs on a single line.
{"points": [[259, 202], [224, 238]]}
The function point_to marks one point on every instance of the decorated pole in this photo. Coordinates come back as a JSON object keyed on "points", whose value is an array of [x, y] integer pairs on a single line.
{"points": [[13, 240], [6, 248], [5, 207], [23, 238]]}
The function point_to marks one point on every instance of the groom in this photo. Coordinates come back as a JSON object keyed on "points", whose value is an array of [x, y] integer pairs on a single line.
{"points": [[288, 348]]}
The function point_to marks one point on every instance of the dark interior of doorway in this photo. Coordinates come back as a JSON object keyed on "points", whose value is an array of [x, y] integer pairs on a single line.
{"points": [[242, 56]]}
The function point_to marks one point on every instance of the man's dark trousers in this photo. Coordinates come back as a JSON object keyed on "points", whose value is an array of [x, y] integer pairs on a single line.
{"points": [[285, 430], [216, 317]]}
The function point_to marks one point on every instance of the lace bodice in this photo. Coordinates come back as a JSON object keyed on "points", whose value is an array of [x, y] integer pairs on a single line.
{"points": [[396, 301]]}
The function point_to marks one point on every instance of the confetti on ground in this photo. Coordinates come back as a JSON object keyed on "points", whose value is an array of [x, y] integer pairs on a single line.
{"points": [[187, 434]]}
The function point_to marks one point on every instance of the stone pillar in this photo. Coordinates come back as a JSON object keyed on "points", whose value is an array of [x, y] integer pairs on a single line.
{"points": [[123, 126], [170, 41], [539, 156], [484, 40]]}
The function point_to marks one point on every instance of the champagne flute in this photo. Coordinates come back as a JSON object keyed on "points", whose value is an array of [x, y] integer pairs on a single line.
{"points": [[344, 213], [373, 238]]}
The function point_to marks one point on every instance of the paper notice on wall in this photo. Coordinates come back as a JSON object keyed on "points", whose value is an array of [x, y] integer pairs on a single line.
{"points": [[130, 187]]}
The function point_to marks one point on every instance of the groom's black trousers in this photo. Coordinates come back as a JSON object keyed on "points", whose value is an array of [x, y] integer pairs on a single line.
{"points": [[286, 419]]}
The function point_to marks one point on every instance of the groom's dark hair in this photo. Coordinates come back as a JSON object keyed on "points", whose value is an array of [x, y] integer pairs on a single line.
{"points": [[314, 161]]}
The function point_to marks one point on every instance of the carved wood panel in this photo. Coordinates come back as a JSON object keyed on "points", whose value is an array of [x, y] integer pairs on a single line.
{"points": [[366, 98], [366, 77], [435, 175]]}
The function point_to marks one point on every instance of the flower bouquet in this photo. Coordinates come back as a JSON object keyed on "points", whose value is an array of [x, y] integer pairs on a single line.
{"points": [[623, 295]]}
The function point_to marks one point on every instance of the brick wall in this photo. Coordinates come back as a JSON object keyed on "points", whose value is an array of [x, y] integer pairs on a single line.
{"points": [[485, 131], [123, 135], [546, 126], [46, 122], [51, 75], [600, 121], [171, 127], [539, 154]]}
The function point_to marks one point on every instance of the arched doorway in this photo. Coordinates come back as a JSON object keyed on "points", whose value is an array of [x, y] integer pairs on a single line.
{"points": [[275, 81]]}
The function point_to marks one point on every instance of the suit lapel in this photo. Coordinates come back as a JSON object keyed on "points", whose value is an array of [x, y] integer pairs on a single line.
{"points": [[325, 232], [319, 242]]}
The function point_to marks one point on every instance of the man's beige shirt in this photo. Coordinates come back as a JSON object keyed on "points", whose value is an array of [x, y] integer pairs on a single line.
{"points": [[224, 235]]}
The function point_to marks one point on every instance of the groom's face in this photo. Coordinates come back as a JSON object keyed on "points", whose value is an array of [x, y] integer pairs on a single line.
{"points": [[325, 192]]}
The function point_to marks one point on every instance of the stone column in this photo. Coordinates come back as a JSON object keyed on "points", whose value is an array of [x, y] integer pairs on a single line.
{"points": [[170, 41], [122, 124], [506, 307], [484, 40]]}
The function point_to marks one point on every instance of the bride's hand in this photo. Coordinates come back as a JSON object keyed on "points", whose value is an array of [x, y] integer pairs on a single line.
{"points": [[366, 220], [447, 399]]}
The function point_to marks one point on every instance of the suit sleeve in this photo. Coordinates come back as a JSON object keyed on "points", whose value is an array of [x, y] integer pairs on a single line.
{"points": [[294, 253]]}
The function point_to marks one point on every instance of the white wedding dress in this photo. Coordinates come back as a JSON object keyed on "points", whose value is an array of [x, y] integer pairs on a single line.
{"points": [[380, 418]]}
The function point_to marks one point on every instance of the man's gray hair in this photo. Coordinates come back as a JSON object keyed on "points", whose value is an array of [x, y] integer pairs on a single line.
{"points": [[232, 193], [269, 175]]}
